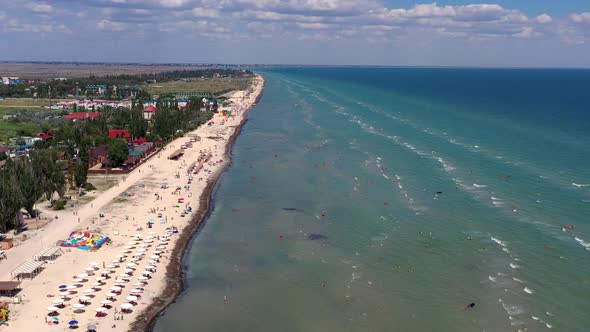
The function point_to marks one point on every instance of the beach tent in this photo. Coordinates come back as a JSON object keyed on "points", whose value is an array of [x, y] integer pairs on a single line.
{"points": [[9, 287], [47, 254], [27, 270]]}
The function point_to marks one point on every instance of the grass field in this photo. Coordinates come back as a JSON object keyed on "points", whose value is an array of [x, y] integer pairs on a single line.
{"points": [[213, 86], [8, 129]]}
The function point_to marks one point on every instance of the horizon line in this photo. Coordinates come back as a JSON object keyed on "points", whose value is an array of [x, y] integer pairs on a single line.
{"points": [[195, 64]]}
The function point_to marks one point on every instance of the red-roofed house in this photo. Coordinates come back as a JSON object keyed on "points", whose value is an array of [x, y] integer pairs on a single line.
{"points": [[119, 133], [139, 141], [149, 112], [82, 115], [44, 136]]}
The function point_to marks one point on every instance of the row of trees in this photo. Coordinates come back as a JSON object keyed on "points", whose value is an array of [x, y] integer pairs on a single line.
{"points": [[26, 180]]}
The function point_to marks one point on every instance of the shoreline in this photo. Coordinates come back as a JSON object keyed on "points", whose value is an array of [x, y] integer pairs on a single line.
{"points": [[175, 279], [126, 206]]}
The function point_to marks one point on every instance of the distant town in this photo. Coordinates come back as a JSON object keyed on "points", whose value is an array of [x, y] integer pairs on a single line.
{"points": [[56, 131]]}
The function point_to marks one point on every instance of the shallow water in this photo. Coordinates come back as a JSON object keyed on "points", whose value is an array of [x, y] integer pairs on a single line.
{"points": [[388, 199]]}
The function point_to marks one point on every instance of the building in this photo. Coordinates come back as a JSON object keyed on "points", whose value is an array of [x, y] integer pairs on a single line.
{"points": [[82, 115], [97, 89], [120, 133], [149, 112]]}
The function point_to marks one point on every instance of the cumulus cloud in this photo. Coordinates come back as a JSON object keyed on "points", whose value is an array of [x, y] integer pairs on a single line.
{"points": [[580, 17], [110, 25], [544, 19], [41, 8]]}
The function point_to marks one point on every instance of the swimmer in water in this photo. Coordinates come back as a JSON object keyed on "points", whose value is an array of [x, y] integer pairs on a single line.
{"points": [[470, 305]]}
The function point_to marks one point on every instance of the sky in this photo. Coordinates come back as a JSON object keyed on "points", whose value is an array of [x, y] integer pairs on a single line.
{"points": [[493, 33]]}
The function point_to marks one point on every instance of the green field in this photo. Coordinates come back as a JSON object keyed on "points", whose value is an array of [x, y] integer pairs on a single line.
{"points": [[214, 86]]}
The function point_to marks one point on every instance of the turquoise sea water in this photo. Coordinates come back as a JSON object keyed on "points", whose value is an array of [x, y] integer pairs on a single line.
{"points": [[330, 220]]}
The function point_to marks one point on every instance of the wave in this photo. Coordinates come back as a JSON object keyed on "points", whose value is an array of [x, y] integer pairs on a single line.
{"points": [[479, 185], [528, 290], [580, 185], [500, 242], [583, 243]]}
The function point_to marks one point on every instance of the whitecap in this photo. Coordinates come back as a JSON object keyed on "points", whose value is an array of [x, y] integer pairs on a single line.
{"points": [[492, 279], [514, 266], [503, 244], [479, 185], [494, 198], [580, 185], [517, 280], [583, 243], [548, 325], [535, 317], [528, 290]]}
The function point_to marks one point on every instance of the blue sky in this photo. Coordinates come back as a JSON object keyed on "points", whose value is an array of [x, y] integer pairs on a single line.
{"points": [[523, 33]]}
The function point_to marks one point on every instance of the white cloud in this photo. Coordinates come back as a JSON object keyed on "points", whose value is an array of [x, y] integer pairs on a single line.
{"points": [[110, 25], [205, 12], [544, 19], [41, 8], [580, 17]]}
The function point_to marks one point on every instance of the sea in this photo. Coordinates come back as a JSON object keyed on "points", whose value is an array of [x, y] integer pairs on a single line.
{"points": [[390, 199]]}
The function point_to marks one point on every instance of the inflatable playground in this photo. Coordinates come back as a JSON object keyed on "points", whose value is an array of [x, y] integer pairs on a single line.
{"points": [[84, 241]]}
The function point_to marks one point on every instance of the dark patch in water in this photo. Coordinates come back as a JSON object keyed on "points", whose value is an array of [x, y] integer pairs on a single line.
{"points": [[316, 236], [290, 209]]}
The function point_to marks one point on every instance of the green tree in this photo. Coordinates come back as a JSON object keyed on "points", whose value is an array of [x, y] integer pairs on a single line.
{"points": [[10, 197], [118, 152], [28, 184]]}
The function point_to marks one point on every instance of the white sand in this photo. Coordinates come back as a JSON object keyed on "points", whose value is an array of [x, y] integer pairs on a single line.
{"points": [[143, 183]]}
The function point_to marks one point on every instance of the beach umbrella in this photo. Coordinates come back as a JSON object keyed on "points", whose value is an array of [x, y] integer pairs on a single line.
{"points": [[124, 275], [77, 280], [64, 293], [106, 302], [100, 278], [58, 301], [73, 322], [150, 267], [96, 283], [116, 288], [93, 264], [141, 250], [139, 284], [128, 270], [129, 247], [71, 287], [100, 309], [152, 233], [89, 269], [135, 259], [127, 306], [62, 286], [91, 327], [90, 290], [131, 298], [154, 256], [78, 305], [158, 252], [84, 298], [120, 281], [82, 275], [142, 278], [115, 261], [131, 264], [146, 272], [112, 266], [110, 294], [135, 290]]}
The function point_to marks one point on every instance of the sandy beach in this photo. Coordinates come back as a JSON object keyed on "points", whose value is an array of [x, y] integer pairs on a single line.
{"points": [[141, 267]]}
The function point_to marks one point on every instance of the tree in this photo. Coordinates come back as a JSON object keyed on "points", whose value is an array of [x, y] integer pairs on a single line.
{"points": [[10, 197], [81, 175], [118, 152], [28, 185]]}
